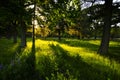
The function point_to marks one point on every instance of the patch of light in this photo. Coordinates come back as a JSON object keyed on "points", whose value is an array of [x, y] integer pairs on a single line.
{"points": [[55, 1], [114, 1], [31, 6], [86, 5], [118, 24], [112, 25], [36, 26], [99, 2]]}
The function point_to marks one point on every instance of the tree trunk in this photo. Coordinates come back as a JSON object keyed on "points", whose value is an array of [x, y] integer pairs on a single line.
{"points": [[14, 32], [107, 27], [95, 35], [8, 33], [15, 35], [78, 36], [33, 37], [59, 34], [23, 34], [32, 58]]}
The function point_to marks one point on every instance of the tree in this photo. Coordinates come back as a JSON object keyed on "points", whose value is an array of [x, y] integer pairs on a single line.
{"points": [[7, 21], [33, 33], [108, 18], [53, 13], [20, 17], [107, 27], [95, 16], [24, 18]]}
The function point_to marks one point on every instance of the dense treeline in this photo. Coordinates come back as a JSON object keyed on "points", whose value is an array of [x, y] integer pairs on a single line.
{"points": [[62, 18], [14, 19]]}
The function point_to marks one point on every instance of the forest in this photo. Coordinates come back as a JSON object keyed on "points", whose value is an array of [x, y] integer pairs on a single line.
{"points": [[60, 40]]}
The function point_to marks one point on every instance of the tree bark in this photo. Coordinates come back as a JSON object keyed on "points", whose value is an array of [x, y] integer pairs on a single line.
{"points": [[23, 34], [59, 34], [14, 32], [107, 27], [15, 35], [33, 33], [95, 34]]}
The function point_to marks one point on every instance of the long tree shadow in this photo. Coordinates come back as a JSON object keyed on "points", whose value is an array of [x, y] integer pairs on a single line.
{"points": [[21, 68], [114, 52], [77, 43], [77, 68], [80, 43]]}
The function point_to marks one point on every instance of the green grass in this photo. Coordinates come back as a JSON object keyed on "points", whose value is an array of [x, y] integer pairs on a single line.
{"points": [[69, 59], [7, 50]]}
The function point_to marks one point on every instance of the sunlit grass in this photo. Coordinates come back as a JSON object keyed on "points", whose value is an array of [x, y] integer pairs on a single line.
{"points": [[91, 57], [96, 42], [114, 43], [70, 59]]}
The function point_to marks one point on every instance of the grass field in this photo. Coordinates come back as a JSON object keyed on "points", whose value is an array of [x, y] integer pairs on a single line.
{"points": [[68, 59]]}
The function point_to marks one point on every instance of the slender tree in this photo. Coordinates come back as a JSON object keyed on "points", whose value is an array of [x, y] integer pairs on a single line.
{"points": [[33, 33]]}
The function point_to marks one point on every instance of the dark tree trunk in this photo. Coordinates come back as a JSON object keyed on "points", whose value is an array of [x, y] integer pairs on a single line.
{"points": [[8, 32], [33, 37], [33, 33], [95, 35], [107, 27], [78, 36], [59, 34], [82, 36], [14, 32], [15, 35], [23, 34], [32, 62], [78, 33]]}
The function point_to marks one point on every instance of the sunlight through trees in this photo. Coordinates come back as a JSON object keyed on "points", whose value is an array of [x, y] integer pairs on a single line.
{"points": [[59, 39]]}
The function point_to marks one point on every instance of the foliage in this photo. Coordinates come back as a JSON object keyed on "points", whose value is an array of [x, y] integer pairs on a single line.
{"points": [[43, 31], [65, 59]]}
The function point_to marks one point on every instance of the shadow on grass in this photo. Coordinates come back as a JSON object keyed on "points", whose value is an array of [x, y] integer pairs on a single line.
{"points": [[80, 43], [7, 51], [114, 51], [21, 68], [76, 43], [62, 66]]}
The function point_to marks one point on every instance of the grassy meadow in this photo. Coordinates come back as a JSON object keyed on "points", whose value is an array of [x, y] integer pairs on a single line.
{"points": [[68, 59]]}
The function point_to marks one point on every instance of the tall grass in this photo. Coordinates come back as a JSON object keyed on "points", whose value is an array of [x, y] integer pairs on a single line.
{"points": [[69, 59]]}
